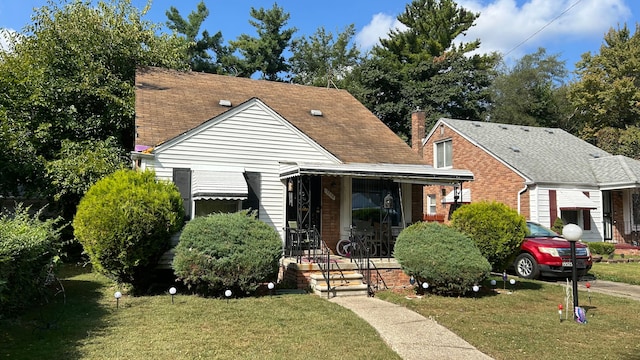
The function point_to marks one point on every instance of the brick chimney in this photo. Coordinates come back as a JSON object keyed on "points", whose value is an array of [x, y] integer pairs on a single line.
{"points": [[417, 131]]}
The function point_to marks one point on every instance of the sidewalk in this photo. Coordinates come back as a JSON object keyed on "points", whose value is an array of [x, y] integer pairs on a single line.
{"points": [[409, 334], [612, 288]]}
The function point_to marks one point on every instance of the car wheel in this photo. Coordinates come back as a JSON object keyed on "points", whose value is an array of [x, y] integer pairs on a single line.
{"points": [[526, 266]]}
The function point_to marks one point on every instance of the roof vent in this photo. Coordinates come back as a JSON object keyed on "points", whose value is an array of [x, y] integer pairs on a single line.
{"points": [[595, 155], [225, 103], [476, 124], [525, 129], [549, 131], [503, 127], [514, 149], [316, 112]]}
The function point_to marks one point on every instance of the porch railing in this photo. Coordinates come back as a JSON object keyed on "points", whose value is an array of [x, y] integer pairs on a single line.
{"points": [[361, 248]]}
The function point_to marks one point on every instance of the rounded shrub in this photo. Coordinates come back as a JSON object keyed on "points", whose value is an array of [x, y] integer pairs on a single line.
{"points": [[125, 222], [223, 251], [441, 256], [497, 230]]}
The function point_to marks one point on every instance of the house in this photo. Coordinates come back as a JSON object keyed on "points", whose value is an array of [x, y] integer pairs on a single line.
{"points": [[305, 158], [543, 173]]}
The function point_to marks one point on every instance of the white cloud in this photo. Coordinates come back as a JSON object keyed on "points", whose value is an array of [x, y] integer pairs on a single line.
{"points": [[507, 27], [5, 36], [378, 28], [520, 27]]}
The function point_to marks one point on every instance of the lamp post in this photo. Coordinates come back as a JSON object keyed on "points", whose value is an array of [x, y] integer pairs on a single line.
{"points": [[572, 233]]}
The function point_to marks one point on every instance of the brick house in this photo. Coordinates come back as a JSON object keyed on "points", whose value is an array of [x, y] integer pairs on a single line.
{"points": [[543, 173], [311, 156]]}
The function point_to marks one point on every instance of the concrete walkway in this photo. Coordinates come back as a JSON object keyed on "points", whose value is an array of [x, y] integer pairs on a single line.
{"points": [[611, 288], [409, 334]]}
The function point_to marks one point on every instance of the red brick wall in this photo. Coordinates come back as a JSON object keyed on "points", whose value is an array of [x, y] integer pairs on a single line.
{"points": [[330, 232], [493, 180]]}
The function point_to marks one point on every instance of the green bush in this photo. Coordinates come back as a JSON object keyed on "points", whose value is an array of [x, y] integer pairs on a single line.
{"points": [[441, 256], [222, 251], [601, 248], [27, 247], [558, 225], [125, 222], [497, 230]]}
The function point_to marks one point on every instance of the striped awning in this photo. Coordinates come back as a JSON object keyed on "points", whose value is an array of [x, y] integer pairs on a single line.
{"points": [[218, 185]]}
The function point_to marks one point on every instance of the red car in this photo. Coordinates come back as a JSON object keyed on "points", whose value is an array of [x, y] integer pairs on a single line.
{"points": [[545, 253]]}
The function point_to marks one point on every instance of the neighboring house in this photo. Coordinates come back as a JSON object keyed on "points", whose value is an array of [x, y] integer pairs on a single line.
{"points": [[296, 154], [543, 173]]}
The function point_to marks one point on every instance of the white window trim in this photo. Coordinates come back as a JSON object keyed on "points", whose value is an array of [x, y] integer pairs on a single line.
{"points": [[435, 154]]}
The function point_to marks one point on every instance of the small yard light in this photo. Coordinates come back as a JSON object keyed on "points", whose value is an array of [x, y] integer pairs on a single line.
{"points": [[504, 280], [227, 293], [270, 286], [425, 286], [476, 288], [513, 284], [172, 291], [493, 284], [560, 311], [572, 233], [588, 285], [117, 295]]}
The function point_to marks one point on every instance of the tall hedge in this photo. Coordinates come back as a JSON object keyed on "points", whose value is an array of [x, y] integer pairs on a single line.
{"points": [[220, 251], [28, 246], [125, 222], [497, 230], [446, 259]]}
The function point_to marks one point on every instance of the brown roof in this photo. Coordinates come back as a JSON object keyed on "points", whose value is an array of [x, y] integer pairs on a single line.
{"points": [[169, 103]]}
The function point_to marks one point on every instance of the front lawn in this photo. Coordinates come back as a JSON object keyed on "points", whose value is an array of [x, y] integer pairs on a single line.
{"points": [[150, 327], [628, 273], [524, 324]]}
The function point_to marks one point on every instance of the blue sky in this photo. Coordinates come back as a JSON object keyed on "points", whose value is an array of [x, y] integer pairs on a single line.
{"points": [[514, 27]]}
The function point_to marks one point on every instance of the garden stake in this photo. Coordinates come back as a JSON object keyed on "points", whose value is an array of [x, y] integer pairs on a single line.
{"points": [[588, 285], [560, 311]]}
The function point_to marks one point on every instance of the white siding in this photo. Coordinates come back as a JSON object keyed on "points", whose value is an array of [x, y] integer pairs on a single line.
{"points": [[252, 137], [540, 211]]}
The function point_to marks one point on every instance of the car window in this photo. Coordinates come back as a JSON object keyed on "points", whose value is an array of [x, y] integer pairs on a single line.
{"points": [[537, 230]]}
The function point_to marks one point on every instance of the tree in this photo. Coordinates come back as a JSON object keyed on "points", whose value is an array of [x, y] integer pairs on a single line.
{"points": [[320, 61], [607, 93], [263, 54], [530, 93], [71, 76], [198, 52], [422, 67]]}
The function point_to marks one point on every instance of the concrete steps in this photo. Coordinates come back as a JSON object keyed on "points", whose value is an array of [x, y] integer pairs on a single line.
{"points": [[341, 283]]}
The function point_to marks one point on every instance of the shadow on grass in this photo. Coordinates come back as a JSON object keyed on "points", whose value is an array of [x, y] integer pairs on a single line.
{"points": [[54, 330]]}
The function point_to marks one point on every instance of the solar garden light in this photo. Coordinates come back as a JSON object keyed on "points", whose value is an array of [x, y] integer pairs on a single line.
{"points": [[560, 311], [172, 291], [227, 293], [270, 286], [572, 233], [513, 284], [425, 286], [475, 288], [117, 295], [588, 285], [493, 284]]}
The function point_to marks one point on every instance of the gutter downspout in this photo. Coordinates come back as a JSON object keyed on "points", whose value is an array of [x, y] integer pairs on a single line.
{"points": [[522, 191]]}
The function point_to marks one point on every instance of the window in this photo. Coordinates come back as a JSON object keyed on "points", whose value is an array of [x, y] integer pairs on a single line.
{"points": [[431, 204], [443, 154], [367, 201]]}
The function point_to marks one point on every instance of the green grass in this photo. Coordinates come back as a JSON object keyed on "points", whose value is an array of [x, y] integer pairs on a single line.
{"points": [[150, 327], [628, 273], [525, 324]]}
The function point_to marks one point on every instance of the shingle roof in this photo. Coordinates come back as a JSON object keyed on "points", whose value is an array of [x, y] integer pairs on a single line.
{"points": [[543, 155], [169, 103], [616, 171]]}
